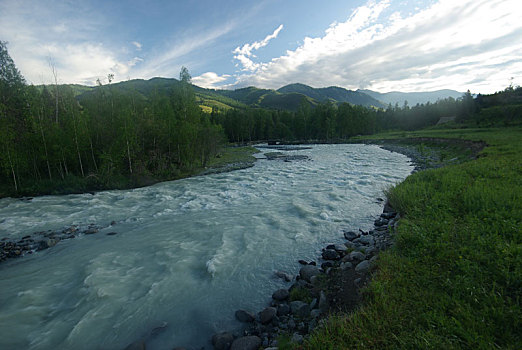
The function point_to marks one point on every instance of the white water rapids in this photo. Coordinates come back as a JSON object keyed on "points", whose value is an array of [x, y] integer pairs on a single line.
{"points": [[188, 253]]}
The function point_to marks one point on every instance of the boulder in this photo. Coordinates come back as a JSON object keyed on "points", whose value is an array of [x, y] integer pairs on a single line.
{"points": [[297, 338], [363, 266], [350, 235], [267, 315], [300, 308], [283, 310], [280, 295], [308, 271], [250, 342], [222, 341], [330, 254], [367, 240], [356, 256], [244, 316], [286, 276]]}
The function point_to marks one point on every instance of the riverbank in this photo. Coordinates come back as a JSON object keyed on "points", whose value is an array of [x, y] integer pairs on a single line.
{"points": [[231, 158], [334, 282], [452, 278]]}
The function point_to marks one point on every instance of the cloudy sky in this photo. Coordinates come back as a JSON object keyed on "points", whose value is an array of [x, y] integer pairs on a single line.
{"points": [[383, 45]]}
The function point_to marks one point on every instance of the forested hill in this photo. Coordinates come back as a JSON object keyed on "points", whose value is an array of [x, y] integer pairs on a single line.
{"points": [[287, 98], [333, 93], [413, 98]]}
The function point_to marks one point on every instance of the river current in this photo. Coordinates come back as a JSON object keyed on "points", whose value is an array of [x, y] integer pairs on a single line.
{"points": [[187, 253]]}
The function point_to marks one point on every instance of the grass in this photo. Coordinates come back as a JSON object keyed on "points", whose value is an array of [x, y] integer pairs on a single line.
{"points": [[454, 278]]}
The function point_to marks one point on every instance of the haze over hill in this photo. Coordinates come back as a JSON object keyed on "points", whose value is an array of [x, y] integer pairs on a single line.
{"points": [[413, 98]]}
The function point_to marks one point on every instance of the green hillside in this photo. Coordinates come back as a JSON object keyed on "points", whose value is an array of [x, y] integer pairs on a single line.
{"points": [[333, 93]]}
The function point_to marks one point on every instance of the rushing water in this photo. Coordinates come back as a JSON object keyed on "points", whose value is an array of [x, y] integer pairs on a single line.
{"points": [[187, 254]]}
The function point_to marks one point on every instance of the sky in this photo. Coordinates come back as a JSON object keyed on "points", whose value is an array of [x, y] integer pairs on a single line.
{"points": [[382, 45]]}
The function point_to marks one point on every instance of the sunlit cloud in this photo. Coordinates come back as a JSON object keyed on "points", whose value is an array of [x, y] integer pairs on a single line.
{"points": [[210, 80], [244, 53], [448, 45], [137, 44]]}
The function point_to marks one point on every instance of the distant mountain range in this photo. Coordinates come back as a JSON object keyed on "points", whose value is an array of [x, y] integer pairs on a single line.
{"points": [[289, 97], [412, 97]]}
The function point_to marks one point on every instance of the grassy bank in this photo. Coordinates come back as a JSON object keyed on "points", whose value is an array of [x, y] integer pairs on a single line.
{"points": [[454, 278], [230, 158]]}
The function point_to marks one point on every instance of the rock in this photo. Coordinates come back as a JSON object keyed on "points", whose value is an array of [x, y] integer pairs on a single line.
{"points": [[357, 256], [315, 313], [312, 263], [47, 243], [373, 259], [222, 341], [367, 240], [112, 233], [302, 262], [244, 316], [287, 277], [281, 294], [137, 345], [267, 315], [283, 310], [350, 235], [326, 265], [346, 265], [381, 222], [250, 342], [297, 338], [362, 266], [113, 223], [323, 302], [91, 231], [341, 248], [330, 254], [308, 271], [388, 215], [300, 308]]}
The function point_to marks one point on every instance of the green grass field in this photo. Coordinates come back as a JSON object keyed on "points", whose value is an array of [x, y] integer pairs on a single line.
{"points": [[453, 280]]}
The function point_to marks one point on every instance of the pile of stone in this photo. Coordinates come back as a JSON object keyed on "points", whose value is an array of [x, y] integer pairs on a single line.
{"points": [[15, 248]]}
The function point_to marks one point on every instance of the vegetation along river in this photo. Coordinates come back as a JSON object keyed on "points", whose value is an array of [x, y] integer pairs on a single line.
{"points": [[187, 253]]}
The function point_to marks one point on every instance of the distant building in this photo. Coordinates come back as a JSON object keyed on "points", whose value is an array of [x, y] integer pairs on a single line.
{"points": [[444, 120]]}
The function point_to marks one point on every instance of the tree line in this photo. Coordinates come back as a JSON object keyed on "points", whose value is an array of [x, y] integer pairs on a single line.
{"points": [[46, 133]]}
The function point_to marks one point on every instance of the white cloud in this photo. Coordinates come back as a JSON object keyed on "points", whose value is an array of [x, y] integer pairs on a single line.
{"points": [[244, 52], [210, 80], [473, 44], [137, 44]]}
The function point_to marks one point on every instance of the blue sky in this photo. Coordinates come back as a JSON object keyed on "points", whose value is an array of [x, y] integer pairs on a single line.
{"points": [[383, 45]]}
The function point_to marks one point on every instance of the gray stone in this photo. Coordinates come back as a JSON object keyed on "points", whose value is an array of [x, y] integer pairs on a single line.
{"points": [[367, 240], [291, 324], [244, 316], [356, 256], [91, 231], [323, 303], [381, 222], [286, 276], [308, 271], [280, 294], [330, 254], [350, 235], [250, 342], [283, 309], [374, 259], [297, 338], [222, 341], [300, 308], [362, 266], [267, 315], [315, 313], [346, 265], [341, 248]]}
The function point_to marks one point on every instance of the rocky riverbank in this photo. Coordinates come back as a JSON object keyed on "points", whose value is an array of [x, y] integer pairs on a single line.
{"points": [[330, 284]]}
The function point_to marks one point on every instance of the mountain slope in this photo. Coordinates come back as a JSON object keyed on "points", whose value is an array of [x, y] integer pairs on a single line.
{"points": [[333, 93]]}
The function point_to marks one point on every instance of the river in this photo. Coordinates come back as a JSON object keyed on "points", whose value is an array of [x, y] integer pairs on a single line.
{"points": [[187, 253]]}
